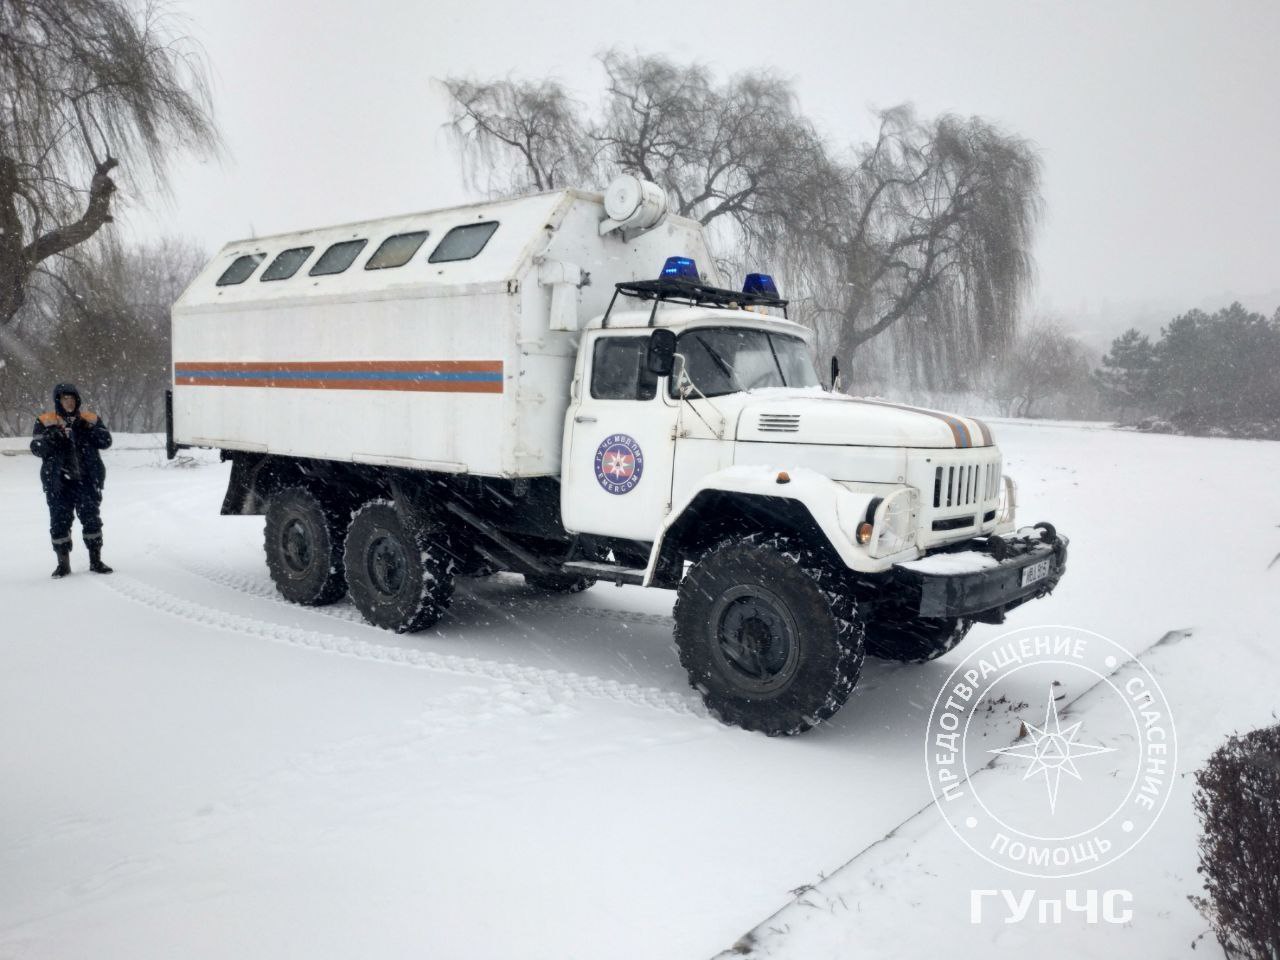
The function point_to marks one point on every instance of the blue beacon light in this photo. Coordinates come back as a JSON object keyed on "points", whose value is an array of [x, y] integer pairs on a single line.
{"points": [[679, 268], [761, 284]]}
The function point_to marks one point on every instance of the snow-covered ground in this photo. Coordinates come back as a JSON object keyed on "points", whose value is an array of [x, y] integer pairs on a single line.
{"points": [[193, 768]]}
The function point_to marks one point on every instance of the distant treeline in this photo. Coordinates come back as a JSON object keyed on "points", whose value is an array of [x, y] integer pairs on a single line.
{"points": [[99, 320], [1211, 374]]}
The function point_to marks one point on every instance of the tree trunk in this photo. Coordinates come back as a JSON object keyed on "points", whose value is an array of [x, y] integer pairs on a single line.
{"points": [[17, 261], [13, 268]]}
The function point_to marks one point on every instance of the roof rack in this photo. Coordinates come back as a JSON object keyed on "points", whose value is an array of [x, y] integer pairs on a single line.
{"points": [[692, 292]]}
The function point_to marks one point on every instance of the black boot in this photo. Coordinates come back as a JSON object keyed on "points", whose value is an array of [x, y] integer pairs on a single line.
{"points": [[95, 559], [64, 562]]}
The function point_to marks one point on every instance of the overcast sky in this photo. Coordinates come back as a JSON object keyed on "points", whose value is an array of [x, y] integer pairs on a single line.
{"points": [[1158, 123]]}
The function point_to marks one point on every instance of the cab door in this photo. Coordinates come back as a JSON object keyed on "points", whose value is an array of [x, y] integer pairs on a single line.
{"points": [[619, 442]]}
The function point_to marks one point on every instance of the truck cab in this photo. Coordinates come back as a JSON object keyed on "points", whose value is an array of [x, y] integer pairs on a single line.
{"points": [[698, 432]]}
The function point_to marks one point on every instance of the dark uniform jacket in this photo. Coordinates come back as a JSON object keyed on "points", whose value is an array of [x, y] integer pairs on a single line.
{"points": [[75, 459]]}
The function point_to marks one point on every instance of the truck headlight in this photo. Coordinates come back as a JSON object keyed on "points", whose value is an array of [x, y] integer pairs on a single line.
{"points": [[1008, 502], [895, 523]]}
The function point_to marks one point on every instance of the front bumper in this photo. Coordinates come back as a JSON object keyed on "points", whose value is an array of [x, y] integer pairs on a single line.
{"points": [[989, 593]]}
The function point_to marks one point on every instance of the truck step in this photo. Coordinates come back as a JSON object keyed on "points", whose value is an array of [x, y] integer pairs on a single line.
{"points": [[613, 572]]}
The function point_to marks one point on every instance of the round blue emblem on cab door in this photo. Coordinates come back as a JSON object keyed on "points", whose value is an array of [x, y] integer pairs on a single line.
{"points": [[619, 463]]}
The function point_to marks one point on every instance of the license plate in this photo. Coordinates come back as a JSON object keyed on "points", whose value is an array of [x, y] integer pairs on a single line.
{"points": [[1037, 571]]}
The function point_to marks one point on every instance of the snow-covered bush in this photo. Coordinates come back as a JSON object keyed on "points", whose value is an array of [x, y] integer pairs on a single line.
{"points": [[1238, 801]]}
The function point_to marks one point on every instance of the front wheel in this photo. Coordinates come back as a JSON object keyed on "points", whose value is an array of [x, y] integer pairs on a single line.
{"points": [[915, 641], [400, 578], [768, 635]]}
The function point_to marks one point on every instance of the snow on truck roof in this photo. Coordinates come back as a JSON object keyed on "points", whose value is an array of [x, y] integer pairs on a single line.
{"points": [[477, 243]]}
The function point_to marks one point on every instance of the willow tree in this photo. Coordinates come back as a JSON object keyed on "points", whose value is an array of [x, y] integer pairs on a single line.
{"points": [[87, 88], [937, 242], [737, 156], [924, 234], [537, 122]]}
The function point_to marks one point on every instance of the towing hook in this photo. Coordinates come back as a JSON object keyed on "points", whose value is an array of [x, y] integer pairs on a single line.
{"points": [[1048, 532]]}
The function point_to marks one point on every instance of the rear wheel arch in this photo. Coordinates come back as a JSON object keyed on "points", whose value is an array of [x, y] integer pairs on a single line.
{"points": [[256, 478]]}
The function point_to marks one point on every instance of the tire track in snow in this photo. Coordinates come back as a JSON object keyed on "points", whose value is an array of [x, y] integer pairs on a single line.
{"points": [[260, 586], [555, 682]]}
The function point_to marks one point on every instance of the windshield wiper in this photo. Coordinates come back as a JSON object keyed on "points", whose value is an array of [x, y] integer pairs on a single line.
{"points": [[721, 362], [773, 350]]}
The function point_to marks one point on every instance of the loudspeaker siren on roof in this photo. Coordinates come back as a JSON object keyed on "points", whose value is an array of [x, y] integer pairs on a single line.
{"points": [[632, 204]]}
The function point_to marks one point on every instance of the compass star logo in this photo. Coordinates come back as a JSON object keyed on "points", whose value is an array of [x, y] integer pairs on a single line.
{"points": [[1053, 750], [1102, 800], [619, 463]]}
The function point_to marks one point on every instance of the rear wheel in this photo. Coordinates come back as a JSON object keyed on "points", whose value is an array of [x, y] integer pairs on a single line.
{"points": [[915, 641], [768, 635], [401, 579], [303, 542]]}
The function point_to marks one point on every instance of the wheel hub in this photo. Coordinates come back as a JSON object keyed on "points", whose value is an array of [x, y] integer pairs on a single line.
{"points": [[387, 564], [756, 641], [296, 546]]}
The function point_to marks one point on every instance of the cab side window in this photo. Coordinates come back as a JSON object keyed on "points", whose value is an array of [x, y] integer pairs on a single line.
{"points": [[618, 370]]}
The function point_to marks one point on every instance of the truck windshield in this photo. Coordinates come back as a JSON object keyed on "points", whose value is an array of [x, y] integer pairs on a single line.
{"points": [[722, 360]]}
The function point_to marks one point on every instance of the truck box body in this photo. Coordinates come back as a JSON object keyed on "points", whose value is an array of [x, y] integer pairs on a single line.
{"points": [[458, 366]]}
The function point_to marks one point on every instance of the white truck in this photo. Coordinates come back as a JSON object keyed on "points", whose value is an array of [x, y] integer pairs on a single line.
{"points": [[547, 385]]}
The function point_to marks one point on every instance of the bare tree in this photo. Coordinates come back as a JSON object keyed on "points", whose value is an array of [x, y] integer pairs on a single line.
{"points": [[736, 155], [85, 86], [100, 320], [536, 121], [740, 150], [1045, 362], [936, 242], [925, 232]]}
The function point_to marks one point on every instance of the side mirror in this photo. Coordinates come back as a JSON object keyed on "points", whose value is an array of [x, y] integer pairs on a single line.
{"points": [[661, 357]]}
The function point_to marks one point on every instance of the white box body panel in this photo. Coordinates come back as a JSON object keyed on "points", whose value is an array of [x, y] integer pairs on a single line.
{"points": [[451, 366]]}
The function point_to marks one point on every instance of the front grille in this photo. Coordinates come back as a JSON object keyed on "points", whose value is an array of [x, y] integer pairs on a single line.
{"points": [[778, 423], [963, 484]]}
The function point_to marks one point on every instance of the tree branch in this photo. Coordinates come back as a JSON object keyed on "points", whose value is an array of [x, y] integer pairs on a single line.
{"points": [[97, 214]]}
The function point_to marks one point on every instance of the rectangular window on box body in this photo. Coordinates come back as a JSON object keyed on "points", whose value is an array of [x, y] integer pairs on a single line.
{"points": [[337, 258], [396, 251], [240, 269], [463, 243], [286, 264]]}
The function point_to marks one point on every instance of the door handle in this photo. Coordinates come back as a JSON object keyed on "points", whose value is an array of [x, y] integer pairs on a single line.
{"points": [[584, 419]]}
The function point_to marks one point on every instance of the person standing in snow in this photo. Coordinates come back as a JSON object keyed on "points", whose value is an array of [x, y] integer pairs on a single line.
{"points": [[67, 439]]}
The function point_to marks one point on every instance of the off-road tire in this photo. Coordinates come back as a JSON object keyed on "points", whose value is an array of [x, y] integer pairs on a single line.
{"points": [[915, 641], [400, 578], [303, 540], [559, 582], [769, 634]]}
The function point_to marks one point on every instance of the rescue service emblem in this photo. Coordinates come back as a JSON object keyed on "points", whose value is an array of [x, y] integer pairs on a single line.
{"points": [[619, 463]]}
